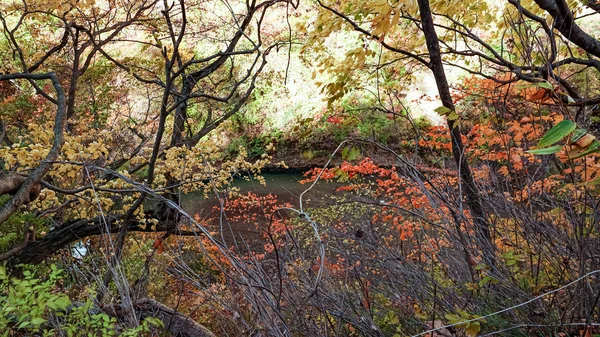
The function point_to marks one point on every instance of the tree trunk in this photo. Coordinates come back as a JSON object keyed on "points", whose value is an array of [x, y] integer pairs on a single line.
{"points": [[467, 182], [37, 250]]}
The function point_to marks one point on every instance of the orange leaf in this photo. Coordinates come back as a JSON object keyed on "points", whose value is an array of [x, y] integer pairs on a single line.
{"points": [[538, 95], [158, 245], [585, 141]]}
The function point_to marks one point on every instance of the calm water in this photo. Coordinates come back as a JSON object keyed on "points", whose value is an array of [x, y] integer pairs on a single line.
{"points": [[285, 186]]}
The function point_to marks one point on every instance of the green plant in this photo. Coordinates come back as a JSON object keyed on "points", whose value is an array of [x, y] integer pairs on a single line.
{"points": [[25, 304], [32, 304], [16, 226], [234, 145]]}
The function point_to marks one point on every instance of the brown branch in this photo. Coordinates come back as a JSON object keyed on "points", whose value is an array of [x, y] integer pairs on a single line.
{"points": [[594, 4], [176, 323], [565, 23], [358, 28], [47, 246], [24, 192], [10, 182], [29, 236]]}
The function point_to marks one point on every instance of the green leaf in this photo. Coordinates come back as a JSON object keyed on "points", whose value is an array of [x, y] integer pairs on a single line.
{"points": [[23, 324], [593, 182], [354, 154], [155, 321], [473, 329], [452, 318], [345, 152], [558, 132], [350, 153], [453, 116], [308, 154], [442, 110], [487, 279], [592, 148], [545, 85], [577, 134], [38, 321], [62, 303], [547, 150], [391, 318]]}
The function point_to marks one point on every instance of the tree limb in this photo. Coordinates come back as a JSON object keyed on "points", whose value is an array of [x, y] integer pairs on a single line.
{"points": [[24, 192]]}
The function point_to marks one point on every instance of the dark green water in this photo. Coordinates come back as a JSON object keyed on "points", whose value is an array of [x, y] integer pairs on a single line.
{"points": [[285, 186]]}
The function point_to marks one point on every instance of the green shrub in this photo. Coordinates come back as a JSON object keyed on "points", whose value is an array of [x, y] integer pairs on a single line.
{"points": [[34, 305]]}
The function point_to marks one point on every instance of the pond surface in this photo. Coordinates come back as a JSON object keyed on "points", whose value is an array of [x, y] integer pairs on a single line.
{"points": [[286, 186]]}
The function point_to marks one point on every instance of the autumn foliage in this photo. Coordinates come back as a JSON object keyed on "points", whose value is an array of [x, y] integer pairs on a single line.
{"points": [[444, 179]]}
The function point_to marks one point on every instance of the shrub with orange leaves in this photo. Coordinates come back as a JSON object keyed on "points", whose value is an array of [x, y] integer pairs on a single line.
{"points": [[399, 208]]}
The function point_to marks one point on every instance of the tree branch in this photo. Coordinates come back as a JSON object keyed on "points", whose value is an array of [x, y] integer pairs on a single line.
{"points": [[23, 194]]}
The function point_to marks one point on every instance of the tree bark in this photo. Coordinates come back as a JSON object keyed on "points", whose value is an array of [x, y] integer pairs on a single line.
{"points": [[594, 4], [10, 182], [37, 250], [468, 185], [22, 195], [564, 22]]}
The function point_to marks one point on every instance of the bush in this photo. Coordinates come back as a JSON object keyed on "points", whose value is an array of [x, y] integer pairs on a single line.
{"points": [[33, 305]]}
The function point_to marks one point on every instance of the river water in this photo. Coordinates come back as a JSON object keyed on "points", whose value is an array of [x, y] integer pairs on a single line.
{"points": [[286, 186]]}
